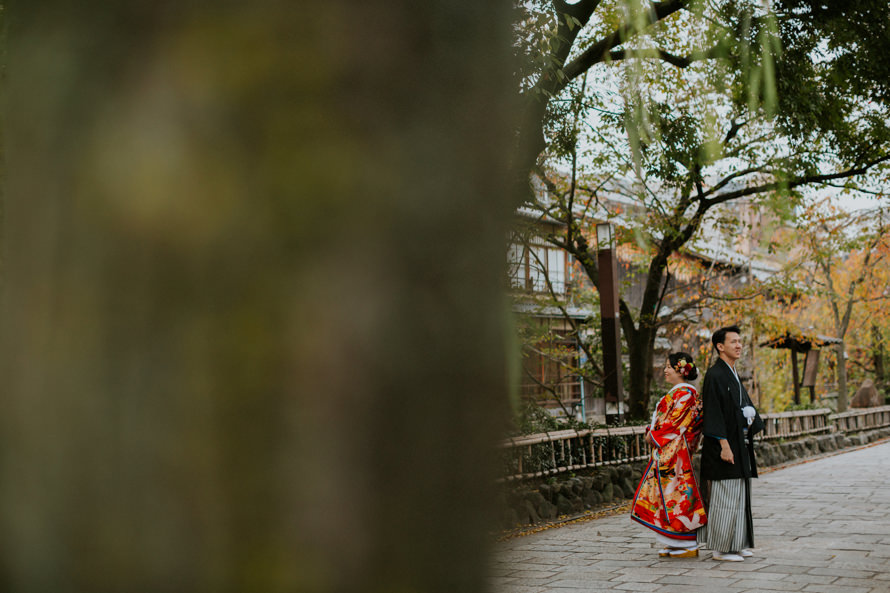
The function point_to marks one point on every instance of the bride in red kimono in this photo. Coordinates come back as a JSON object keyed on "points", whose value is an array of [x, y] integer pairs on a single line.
{"points": [[667, 500]]}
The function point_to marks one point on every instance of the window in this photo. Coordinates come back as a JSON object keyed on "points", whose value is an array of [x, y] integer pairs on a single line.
{"points": [[550, 371], [530, 268]]}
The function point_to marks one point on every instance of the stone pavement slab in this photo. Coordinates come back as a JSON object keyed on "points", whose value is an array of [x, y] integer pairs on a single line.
{"points": [[821, 526]]}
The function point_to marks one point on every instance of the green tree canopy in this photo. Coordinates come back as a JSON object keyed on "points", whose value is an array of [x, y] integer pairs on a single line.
{"points": [[684, 106]]}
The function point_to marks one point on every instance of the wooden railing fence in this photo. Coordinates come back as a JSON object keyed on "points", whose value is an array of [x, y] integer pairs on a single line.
{"points": [[789, 425], [550, 453], [862, 419]]}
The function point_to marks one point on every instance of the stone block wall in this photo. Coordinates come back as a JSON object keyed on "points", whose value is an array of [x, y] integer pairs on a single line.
{"points": [[777, 453], [565, 495], [562, 497]]}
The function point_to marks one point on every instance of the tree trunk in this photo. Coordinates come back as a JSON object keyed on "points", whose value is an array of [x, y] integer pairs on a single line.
{"points": [[640, 377], [253, 322], [795, 376], [641, 337], [878, 348], [755, 377], [530, 137], [842, 398], [641, 349]]}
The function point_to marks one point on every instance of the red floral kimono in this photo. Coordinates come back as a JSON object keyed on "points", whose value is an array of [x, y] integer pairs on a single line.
{"points": [[667, 499]]}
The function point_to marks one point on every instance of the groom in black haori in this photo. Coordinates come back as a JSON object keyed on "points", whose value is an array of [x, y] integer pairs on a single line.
{"points": [[727, 460]]}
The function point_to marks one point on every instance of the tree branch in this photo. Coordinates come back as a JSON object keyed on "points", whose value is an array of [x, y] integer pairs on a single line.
{"points": [[599, 51], [625, 317], [558, 301], [726, 180], [866, 271], [734, 129], [804, 180], [549, 389], [859, 190], [718, 51], [579, 10], [664, 288]]}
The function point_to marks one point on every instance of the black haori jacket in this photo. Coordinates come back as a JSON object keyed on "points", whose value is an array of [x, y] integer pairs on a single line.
{"points": [[723, 398]]}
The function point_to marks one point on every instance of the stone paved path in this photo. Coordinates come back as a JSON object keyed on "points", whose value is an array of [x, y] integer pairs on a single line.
{"points": [[821, 526]]}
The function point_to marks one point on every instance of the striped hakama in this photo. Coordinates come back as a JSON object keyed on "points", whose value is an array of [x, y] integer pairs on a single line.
{"points": [[730, 526]]}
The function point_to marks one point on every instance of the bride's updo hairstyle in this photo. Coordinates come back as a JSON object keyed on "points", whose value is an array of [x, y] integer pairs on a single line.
{"points": [[684, 365]]}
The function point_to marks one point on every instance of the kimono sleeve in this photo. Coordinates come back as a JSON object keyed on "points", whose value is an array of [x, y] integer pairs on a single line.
{"points": [[713, 423], [676, 417]]}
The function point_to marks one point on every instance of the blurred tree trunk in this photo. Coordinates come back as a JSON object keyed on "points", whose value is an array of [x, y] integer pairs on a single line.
{"points": [[253, 319]]}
